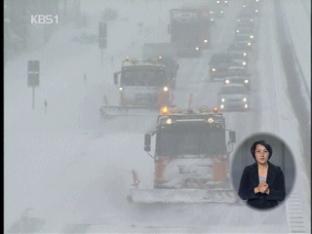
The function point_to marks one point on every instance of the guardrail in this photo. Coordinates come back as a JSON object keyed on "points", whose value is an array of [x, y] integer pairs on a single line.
{"points": [[299, 96]]}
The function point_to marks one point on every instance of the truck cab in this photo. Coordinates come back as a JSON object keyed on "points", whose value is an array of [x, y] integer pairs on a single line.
{"points": [[143, 84], [162, 53], [191, 151], [185, 32]]}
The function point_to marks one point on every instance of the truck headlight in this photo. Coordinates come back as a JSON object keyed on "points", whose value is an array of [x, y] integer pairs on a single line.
{"points": [[227, 81], [249, 43], [205, 41], [244, 63], [169, 121], [165, 89], [244, 99], [197, 48], [218, 2], [210, 120], [251, 36], [237, 31], [222, 99], [246, 81], [244, 54], [120, 88], [213, 69], [222, 106], [246, 106]]}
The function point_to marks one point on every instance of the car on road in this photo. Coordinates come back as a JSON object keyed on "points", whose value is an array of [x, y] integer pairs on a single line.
{"points": [[234, 97], [242, 80], [240, 46], [226, 64]]}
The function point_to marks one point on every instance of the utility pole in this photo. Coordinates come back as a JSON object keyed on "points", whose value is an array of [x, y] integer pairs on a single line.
{"points": [[102, 38], [45, 106], [33, 74]]}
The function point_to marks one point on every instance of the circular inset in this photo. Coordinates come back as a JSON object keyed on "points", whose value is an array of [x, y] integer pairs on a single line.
{"points": [[263, 171]]}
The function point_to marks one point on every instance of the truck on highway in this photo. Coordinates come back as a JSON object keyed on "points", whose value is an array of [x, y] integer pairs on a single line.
{"points": [[191, 159], [142, 86], [189, 31], [164, 54]]}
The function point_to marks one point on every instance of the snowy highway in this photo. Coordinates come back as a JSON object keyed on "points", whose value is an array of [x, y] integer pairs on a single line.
{"points": [[69, 171]]}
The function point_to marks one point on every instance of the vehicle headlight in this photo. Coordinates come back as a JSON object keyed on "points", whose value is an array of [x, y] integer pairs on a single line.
{"points": [[215, 109], [165, 89], [243, 6], [227, 81], [246, 81], [226, 2], [256, 11], [249, 43], [251, 36], [213, 69], [244, 99], [237, 31], [218, 2], [222, 99], [244, 54], [169, 121], [197, 48], [246, 106], [205, 41], [120, 88], [251, 20], [221, 12], [222, 106], [238, 20], [159, 57], [211, 19], [210, 120], [244, 63]]}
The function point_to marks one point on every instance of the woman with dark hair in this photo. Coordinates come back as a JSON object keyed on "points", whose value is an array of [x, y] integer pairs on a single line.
{"points": [[262, 183]]}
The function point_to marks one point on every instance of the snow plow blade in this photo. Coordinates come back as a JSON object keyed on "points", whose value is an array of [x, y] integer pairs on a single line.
{"points": [[108, 112], [182, 196]]}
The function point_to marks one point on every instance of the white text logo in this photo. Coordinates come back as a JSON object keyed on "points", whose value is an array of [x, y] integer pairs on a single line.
{"points": [[44, 19]]}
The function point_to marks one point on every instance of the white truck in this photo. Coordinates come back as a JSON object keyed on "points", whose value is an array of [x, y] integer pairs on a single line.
{"points": [[142, 86]]}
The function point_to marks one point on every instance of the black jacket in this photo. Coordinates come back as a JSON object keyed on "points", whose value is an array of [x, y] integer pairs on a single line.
{"points": [[250, 180]]}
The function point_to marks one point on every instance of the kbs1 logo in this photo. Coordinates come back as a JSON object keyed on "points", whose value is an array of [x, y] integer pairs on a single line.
{"points": [[44, 19]]}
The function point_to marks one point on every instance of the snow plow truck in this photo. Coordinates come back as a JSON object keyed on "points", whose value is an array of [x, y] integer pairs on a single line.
{"points": [[191, 159], [143, 87]]}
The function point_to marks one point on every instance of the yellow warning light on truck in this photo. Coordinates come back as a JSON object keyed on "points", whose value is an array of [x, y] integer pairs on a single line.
{"points": [[164, 110]]}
